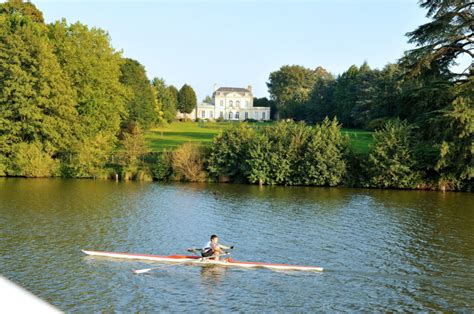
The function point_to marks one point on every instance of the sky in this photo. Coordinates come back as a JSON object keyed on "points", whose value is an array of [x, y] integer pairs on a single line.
{"points": [[239, 43]]}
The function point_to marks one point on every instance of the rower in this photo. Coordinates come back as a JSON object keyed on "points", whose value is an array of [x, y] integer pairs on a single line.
{"points": [[213, 248]]}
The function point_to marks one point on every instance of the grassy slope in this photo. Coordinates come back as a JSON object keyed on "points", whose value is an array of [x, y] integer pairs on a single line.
{"points": [[181, 132]]}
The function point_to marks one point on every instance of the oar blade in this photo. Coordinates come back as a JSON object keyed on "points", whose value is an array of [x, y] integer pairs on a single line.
{"points": [[141, 271]]}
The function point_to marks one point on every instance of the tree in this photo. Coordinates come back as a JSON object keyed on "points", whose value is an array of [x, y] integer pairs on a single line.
{"points": [[228, 150], [354, 95], [265, 102], [322, 156], [134, 146], [186, 99], [141, 104], [207, 100], [165, 98], [293, 84], [442, 96], [455, 161], [37, 109], [391, 162], [174, 94], [19, 7], [442, 41], [94, 69]]}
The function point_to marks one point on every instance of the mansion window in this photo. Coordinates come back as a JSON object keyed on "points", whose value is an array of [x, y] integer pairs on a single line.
{"points": [[231, 103], [203, 114], [211, 115], [263, 115], [222, 103], [221, 115], [237, 103], [237, 115], [230, 115], [247, 103], [246, 115]]}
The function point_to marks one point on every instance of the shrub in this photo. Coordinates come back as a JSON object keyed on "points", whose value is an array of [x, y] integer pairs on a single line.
{"points": [[161, 166], [323, 159], [87, 158], [32, 160], [391, 162], [228, 151], [188, 163]]}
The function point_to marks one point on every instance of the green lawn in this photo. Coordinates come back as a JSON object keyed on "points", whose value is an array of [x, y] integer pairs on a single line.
{"points": [[180, 132]]}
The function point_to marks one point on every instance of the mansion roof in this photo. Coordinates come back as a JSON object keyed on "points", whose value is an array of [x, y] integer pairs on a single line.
{"points": [[233, 89]]}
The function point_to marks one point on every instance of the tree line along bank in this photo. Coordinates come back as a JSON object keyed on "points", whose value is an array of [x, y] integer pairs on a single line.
{"points": [[72, 106]]}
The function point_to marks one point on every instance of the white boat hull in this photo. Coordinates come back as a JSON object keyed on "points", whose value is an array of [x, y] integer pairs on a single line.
{"points": [[183, 259]]}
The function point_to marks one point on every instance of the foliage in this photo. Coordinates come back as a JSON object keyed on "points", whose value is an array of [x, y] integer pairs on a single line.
{"points": [[36, 101], [22, 8], [186, 99], [188, 163], [87, 158], [134, 146], [391, 162], [93, 68], [287, 153], [207, 99], [292, 84], [443, 40], [323, 158], [228, 151], [161, 166], [32, 160], [166, 99], [455, 162], [141, 103]]}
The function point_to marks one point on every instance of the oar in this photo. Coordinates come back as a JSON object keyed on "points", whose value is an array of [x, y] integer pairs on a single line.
{"points": [[145, 270]]}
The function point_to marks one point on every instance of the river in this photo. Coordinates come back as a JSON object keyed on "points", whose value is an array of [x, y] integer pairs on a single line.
{"points": [[382, 250]]}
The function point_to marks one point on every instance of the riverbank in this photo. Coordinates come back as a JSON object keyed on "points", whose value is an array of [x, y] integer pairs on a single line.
{"points": [[173, 135]]}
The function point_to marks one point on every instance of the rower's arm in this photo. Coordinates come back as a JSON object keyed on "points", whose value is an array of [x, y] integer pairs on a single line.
{"points": [[225, 247]]}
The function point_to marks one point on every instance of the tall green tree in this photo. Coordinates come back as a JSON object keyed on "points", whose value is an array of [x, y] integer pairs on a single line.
{"points": [[186, 99], [292, 84], [38, 117], [391, 162], [22, 8], [94, 70], [443, 40], [455, 162], [141, 103], [165, 99], [445, 94], [174, 94]]}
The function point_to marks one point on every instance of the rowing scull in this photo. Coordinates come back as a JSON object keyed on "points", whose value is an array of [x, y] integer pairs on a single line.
{"points": [[182, 259]]}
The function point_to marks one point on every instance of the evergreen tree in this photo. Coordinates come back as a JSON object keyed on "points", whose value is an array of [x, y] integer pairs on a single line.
{"points": [[455, 162], [186, 99], [391, 162]]}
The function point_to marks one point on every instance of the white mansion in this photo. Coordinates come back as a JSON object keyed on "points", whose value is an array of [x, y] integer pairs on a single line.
{"points": [[231, 103]]}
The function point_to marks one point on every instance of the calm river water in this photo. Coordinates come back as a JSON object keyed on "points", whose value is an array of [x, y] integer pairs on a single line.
{"points": [[382, 250]]}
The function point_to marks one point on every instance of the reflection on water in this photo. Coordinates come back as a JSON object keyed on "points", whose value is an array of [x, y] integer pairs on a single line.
{"points": [[211, 276], [383, 250]]}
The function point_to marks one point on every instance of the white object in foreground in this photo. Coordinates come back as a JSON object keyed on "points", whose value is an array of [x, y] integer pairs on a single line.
{"points": [[15, 299], [192, 259]]}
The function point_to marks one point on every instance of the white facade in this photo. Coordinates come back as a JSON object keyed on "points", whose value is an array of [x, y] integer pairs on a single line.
{"points": [[230, 103]]}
